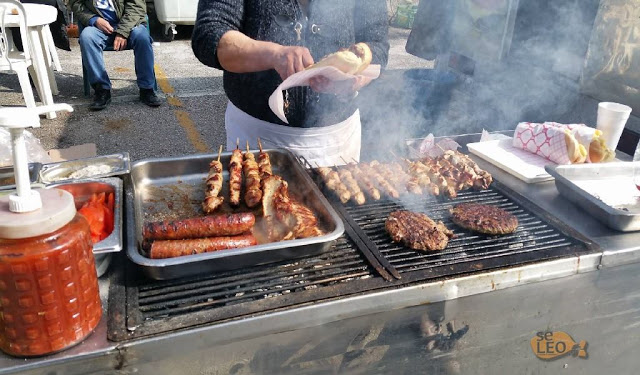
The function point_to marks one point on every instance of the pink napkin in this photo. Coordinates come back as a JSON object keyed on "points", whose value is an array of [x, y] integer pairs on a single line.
{"points": [[545, 140]]}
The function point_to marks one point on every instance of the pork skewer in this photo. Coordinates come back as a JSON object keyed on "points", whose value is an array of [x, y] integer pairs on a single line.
{"points": [[352, 185], [365, 181], [421, 173], [379, 180], [235, 175], [438, 179], [253, 192], [214, 181], [412, 184], [332, 181], [396, 180], [481, 178], [264, 163]]}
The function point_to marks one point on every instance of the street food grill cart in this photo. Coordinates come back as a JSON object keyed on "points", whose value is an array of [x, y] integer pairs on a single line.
{"points": [[344, 310], [366, 305]]}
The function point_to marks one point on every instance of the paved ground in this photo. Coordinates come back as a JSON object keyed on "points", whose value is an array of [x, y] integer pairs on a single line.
{"points": [[191, 122]]}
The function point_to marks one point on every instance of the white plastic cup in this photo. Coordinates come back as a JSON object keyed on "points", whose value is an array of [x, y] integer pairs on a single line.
{"points": [[612, 118]]}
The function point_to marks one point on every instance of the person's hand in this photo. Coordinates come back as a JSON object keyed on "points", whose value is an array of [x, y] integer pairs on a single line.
{"points": [[288, 60], [119, 43], [104, 25], [347, 87]]}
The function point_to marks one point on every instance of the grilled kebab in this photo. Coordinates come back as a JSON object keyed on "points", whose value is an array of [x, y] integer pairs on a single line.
{"points": [[212, 200], [253, 190], [235, 176]]}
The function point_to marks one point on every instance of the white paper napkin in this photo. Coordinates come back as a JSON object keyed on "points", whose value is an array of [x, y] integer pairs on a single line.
{"points": [[276, 100]]}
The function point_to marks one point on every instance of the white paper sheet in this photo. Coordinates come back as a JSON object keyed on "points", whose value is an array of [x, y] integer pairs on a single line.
{"points": [[520, 163], [276, 100]]}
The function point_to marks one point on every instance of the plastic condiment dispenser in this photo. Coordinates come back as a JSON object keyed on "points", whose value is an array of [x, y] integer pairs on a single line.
{"points": [[49, 297]]}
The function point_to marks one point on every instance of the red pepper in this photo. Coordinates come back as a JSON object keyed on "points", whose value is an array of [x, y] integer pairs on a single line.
{"points": [[99, 213]]}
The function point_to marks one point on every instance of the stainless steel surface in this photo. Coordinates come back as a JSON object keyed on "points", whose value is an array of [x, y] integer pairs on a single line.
{"points": [[172, 188], [7, 178], [595, 306], [581, 184], [60, 172], [82, 191]]}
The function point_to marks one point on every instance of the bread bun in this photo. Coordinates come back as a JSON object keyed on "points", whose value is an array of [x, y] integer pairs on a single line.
{"points": [[577, 152], [350, 61], [599, 152], [363, 51]]}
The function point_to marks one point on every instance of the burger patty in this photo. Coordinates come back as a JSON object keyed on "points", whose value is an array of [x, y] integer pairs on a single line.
{"points": [[417, 231], [484, 218]]}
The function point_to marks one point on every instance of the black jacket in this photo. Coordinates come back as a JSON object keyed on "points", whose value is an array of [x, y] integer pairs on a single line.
{"points": [[338, 23]]}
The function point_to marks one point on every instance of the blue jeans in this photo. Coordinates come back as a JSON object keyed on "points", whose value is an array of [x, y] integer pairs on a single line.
{"points": [[93, 41]]}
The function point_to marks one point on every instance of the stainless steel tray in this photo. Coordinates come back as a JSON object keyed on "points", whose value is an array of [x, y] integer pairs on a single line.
{"points": [[606, 191], [82, 190], [60, 172], [7, 178], [173, 188]]}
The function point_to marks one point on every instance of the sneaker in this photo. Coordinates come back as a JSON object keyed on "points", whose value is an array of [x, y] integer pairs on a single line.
{"points": [[149, 97], [101, 99]]}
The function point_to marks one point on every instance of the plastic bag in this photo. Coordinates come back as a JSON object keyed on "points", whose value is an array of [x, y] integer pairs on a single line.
{"points": [[35, 152]]}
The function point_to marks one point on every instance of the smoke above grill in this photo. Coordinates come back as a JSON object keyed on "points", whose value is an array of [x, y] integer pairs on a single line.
{"points": [[486, 64]]}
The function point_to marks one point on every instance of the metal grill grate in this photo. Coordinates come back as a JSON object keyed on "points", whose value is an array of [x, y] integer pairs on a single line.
{"points": [[168, 298], [533, 234], [140, 307], [153, 307]]}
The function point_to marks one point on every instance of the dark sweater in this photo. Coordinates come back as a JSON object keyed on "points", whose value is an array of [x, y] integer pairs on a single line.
{"points": [[340, 23]]}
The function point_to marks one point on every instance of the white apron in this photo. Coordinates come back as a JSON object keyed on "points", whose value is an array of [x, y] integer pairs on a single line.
{"points": [[325, 146]]}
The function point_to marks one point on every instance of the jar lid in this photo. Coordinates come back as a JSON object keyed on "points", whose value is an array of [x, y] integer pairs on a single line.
{"points": [[58, 209]]}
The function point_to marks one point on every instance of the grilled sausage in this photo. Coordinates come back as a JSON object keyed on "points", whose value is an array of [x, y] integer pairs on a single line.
{"points": [[200, 227], [176, 248]]}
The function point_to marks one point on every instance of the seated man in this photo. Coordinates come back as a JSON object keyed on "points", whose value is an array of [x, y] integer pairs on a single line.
{"points": [[120, 24]]}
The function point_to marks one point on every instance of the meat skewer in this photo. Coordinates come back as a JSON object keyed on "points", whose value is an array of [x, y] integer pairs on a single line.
{"points": [[352, 185], [481, 178], [253, 192], [199, 227], [412, 184], [333, 182], [440, 180], [214, 185], [365, 181], [421, 173], [264, 163], [235, 175], [176, 248], [388, 174], [380, 180]]}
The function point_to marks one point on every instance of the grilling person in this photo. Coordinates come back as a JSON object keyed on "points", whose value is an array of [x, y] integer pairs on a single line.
{"points": [[259, 43]]}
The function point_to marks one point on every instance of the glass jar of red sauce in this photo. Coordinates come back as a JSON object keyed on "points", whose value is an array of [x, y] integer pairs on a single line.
{"points": [[49, 297]]}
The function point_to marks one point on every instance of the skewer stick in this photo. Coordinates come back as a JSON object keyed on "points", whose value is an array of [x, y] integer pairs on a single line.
{"points": [[259, 144], [237, 143], [219, 153], [247, 146]]}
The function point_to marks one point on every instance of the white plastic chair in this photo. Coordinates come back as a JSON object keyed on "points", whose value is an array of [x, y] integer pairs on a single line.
{"points": [[11, 59]]}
